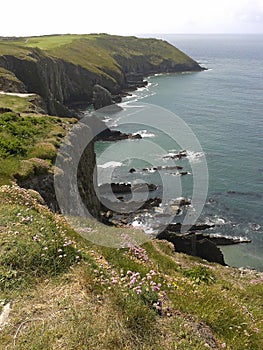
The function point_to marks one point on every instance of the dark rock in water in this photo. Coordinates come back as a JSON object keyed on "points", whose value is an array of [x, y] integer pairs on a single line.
{"points": [[102, 133], [223, 240], [183, 173], [126, 188], [164, 167], [132, 170], [178, 227], [173, 167], [134, 206], [135, 136], [189, 244], [200, 244], [181, 201], [117, 98], [179, 155]]}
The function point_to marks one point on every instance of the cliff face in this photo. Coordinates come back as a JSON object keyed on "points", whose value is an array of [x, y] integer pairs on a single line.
{"points": [[59, 83], [65, 75], [72, 181]]}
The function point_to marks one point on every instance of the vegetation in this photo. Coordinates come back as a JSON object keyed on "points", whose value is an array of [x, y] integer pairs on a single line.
{"points": [[22, 135], [98, 53], [70, 294]]}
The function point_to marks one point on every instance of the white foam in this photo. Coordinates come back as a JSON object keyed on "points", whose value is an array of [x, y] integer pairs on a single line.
{"points": [[194, 156], [215, 220], [144, 133], [107, 119], [111, 164]]}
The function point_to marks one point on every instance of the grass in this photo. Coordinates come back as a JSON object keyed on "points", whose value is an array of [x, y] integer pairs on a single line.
{"points": [[15, 103], [69, 293], [101, 54], [22, 139]]}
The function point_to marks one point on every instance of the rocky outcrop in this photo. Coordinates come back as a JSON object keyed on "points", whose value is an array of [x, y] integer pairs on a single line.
{"points": [[9, 82], [101, 97], [202, 244], [189, 244], [102, 133]]}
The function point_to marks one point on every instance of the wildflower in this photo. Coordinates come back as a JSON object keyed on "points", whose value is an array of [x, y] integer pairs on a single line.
{"points": [[132, 281], [155, 289], [59, 250]]}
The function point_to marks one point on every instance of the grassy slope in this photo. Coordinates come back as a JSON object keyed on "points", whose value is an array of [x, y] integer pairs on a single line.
{"points": [[95, 52], [25, 136], [69, 294]]}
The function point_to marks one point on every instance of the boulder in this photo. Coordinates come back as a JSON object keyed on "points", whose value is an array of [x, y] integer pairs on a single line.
{"points": [[101, 97]]}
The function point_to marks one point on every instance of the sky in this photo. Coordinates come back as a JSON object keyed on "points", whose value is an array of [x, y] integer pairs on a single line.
{"points": [[124, 17]]}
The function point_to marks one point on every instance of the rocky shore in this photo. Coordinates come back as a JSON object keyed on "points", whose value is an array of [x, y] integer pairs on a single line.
{"points": [[197, 241]]}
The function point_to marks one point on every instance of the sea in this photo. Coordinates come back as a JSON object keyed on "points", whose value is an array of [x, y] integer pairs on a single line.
{"points": [[223, 107]]}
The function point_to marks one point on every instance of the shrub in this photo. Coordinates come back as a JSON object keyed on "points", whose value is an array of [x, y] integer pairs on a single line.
{"points": [[199, 274], [31, 167]]}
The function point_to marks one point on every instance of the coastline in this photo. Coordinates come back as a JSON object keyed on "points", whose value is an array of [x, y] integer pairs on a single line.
{"points": [[234, 254]]}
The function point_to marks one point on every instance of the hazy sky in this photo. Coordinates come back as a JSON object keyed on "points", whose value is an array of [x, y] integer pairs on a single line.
{"points": [[31, 17]]}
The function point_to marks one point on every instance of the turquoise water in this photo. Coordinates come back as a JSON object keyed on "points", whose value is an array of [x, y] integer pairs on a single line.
{"points": [[224, 108]]}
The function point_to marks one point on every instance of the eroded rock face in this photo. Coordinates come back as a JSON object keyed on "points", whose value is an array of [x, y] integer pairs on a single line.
{"points": [[59, 83], [101, 97]]}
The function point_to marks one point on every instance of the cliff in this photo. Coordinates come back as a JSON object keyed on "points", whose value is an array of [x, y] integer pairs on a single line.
{"points": [[29, 145], [63, 69]]}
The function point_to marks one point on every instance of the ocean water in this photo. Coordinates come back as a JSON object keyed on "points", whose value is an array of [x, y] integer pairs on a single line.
{"points": [[224, 107]]}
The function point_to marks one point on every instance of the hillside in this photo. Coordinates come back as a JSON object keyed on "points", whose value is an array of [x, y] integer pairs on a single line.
{"points": [[63, 69], [59, 291]]}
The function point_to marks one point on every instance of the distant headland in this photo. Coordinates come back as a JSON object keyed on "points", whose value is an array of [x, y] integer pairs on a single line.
{"points": [[63, 69]]}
